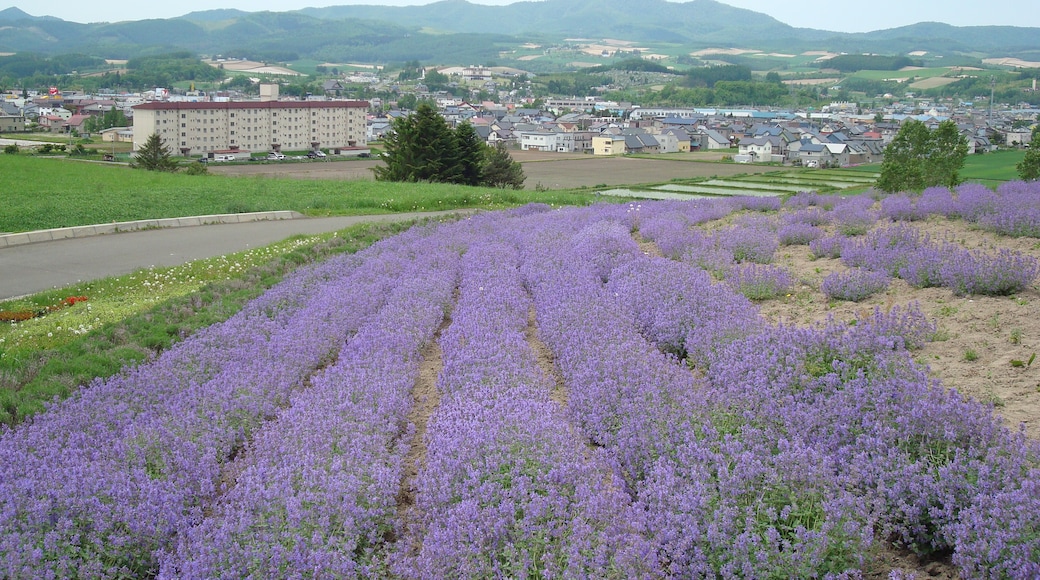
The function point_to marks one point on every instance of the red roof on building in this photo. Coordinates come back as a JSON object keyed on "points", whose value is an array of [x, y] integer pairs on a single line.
{"points": [[177, 106]]}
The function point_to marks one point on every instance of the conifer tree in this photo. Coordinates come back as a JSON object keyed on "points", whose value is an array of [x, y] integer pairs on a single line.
{"points": [[154, 156], [500, 170]]}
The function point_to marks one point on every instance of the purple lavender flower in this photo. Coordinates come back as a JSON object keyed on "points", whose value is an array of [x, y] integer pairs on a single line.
{"points": [[971, 272], [899, 207], [827, 247], [937, 201], [855, 284], [758, 281]]}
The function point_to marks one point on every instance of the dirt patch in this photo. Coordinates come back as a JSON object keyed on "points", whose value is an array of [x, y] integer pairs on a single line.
{"points": [[544, 169], [425, 399], [545, 359]]}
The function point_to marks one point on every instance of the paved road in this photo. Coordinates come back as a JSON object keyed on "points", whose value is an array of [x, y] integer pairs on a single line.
{"points": [[32, 268]]}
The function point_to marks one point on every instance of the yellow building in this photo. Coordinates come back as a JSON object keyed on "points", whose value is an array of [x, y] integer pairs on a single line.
{"points": [[608, 145], [201, 128]]}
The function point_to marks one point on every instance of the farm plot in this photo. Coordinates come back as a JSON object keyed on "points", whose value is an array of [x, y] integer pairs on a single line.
{"points": [[727, 189], [618, 394]]}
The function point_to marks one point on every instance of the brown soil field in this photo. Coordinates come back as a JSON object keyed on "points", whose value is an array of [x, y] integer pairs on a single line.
{"points": [[550, 170]]}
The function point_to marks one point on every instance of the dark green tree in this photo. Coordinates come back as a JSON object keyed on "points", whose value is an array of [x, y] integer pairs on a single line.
{"points": [[1029, 167], [919, 158], [419, 147], [154, 156], [500, 170], [470, 154]]}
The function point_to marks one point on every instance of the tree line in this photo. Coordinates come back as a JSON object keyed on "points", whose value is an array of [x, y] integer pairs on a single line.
{"points": [[422, 147]]}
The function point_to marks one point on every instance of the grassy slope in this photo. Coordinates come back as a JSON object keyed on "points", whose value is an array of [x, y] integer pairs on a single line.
{"points": [[48, 193], [992, 167]]}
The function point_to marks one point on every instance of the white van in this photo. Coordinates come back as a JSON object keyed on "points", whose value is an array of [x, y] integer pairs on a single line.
{"points": [[223, 157]]}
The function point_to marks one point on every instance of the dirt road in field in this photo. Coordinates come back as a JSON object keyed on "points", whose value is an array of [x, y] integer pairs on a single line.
{"points": [[549, 170]]}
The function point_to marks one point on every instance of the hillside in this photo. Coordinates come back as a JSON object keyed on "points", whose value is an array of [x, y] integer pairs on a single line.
{"points": [[479, 32]]}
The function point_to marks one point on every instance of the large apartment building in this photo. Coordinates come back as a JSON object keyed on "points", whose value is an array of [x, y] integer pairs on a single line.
{"points": [[201, 128]]}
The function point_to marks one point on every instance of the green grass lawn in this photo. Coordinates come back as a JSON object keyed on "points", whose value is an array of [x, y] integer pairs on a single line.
{"points": [[41, 193], [993, 167], [924, 73]]}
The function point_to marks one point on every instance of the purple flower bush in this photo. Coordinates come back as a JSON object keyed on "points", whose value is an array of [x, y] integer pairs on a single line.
{"points": [[322, 479], [901, 208], [673, 434], [974, 201], [754, 242], [853, 216], [1016, 212], [758, 281], [972, 272], [827, 246], [854, 284], [884, 250], [101, 482], [798, 234], [756, 203], [937, 201], [508, 489], [659, 294], [805, 199]]}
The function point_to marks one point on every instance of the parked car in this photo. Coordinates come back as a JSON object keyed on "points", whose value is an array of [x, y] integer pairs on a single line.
{"points": [[275, 156], [316, 155], [223, 157]]}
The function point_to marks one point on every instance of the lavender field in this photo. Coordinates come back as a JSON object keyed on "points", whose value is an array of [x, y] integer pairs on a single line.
{"points": [[601, 392]]}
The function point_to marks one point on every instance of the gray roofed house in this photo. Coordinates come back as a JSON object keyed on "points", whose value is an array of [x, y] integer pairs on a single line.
{"points": [[712, 139], [641, 143], [10, 109]]}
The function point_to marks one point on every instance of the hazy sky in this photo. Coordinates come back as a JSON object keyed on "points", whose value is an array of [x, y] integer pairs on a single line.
{"points": [[839, 16]]}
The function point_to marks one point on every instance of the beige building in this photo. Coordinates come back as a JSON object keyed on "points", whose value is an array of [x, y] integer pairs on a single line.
{"points": [[201, 128], [608, 145]]}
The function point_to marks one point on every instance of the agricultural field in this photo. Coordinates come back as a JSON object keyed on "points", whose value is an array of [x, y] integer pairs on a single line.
{"points": [[735, 387], [770, 183]]}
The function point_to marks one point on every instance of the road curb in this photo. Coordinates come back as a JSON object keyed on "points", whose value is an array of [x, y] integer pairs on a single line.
{"points": [[21, 238]]}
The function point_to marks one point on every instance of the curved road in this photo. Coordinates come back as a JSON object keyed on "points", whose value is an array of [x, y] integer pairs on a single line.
{"points": [[31, 268]]}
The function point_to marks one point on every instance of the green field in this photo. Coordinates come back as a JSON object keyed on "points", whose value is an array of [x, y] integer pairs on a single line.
{"points": [[924, 73], [992, 168], [44, 193]]}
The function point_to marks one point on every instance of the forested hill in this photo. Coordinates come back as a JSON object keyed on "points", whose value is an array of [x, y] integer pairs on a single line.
{"points": [[479, 32]]}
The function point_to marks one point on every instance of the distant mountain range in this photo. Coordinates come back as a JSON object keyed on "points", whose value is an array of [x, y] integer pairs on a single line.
{"points": [[479, 32]]}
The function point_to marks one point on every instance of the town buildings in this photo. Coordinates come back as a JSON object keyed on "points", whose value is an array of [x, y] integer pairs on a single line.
{"points": [[201, 128]]}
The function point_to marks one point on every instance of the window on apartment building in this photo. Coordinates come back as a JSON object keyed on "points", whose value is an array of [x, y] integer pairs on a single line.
{"points": [[182, 125], [183, 115]]}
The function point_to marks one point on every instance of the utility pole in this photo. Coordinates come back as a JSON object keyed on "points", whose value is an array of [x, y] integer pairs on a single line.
{"points": [[992, 84]]}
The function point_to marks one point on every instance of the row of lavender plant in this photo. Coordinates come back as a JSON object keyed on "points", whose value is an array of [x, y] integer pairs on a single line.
{"points": [[901, 250], [926, 459], [318, 487], [1013, 209], [508, 489], [708, 503], [99, 483]]}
